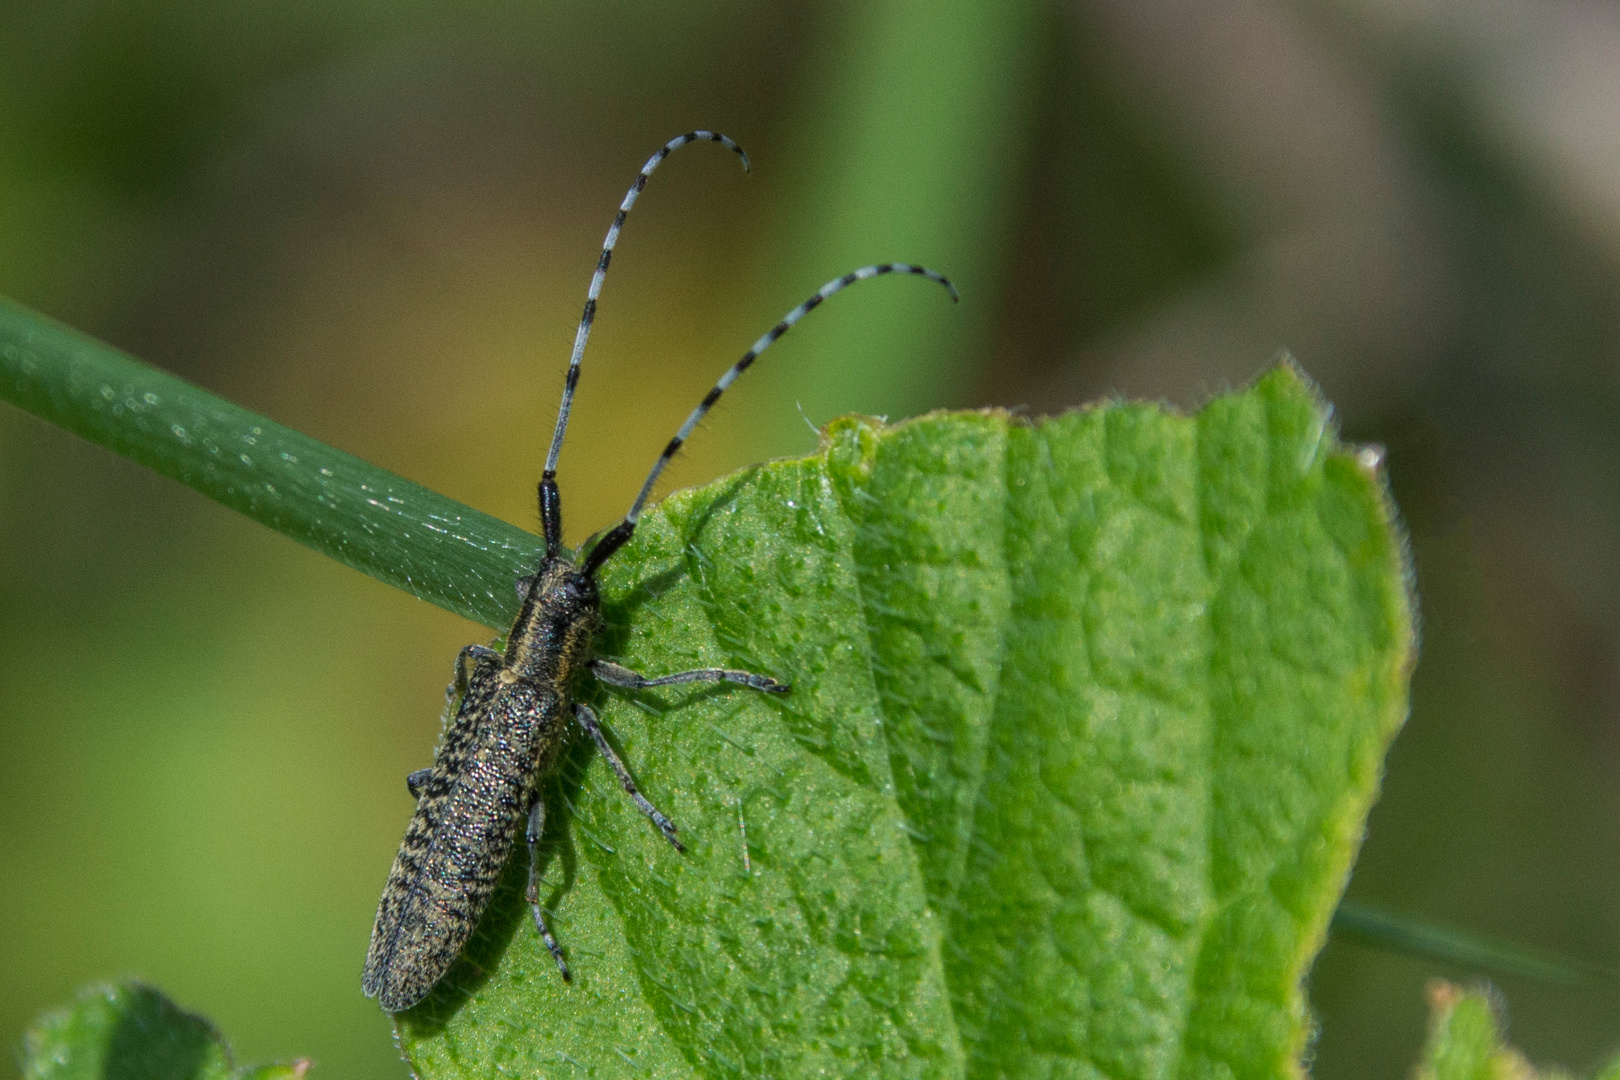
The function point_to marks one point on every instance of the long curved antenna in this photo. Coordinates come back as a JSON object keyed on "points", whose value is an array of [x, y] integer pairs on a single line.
{"points": [[616, 537], [549, 509]]}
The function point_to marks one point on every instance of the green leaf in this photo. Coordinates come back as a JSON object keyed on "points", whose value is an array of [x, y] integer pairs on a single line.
{"points": [[1087, 714], [1086, 717], [1466, 1043], [132, 1032]]}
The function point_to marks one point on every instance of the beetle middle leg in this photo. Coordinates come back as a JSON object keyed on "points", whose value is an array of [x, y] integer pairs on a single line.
{"points": [[619, 675], [587, 720], [537, 826]]}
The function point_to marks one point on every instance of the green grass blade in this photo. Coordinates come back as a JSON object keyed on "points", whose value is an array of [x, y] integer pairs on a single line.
{"points": [[379, 523]]}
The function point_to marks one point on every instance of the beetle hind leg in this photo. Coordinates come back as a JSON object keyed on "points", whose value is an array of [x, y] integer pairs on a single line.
{"points": [[537, 826]]}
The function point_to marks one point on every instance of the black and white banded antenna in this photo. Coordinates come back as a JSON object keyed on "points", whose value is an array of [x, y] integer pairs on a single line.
{"points": [[550, 504], [616, 537]]}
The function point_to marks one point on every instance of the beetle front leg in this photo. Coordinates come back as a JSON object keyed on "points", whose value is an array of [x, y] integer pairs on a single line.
{"points": [[458, 682]]}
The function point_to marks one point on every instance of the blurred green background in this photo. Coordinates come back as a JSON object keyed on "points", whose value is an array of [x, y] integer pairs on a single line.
{"points": [[375, 222]]}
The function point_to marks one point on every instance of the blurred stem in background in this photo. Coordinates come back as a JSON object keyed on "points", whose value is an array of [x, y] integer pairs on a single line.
{"points": [[908, 148], [1411, 936]]}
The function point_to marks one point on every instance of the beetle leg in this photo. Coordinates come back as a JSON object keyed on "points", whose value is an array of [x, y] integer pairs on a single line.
{"points": [[619, 675], [415, 780], [587, 720], [458, 684], [537, 826]]}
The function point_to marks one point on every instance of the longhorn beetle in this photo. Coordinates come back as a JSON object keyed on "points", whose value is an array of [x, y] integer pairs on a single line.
{"points": [[510, 712]]}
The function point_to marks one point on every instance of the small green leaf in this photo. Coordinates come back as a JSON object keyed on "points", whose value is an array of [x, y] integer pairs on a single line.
{"points": [[1466, 1042], [132, 1032]]}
